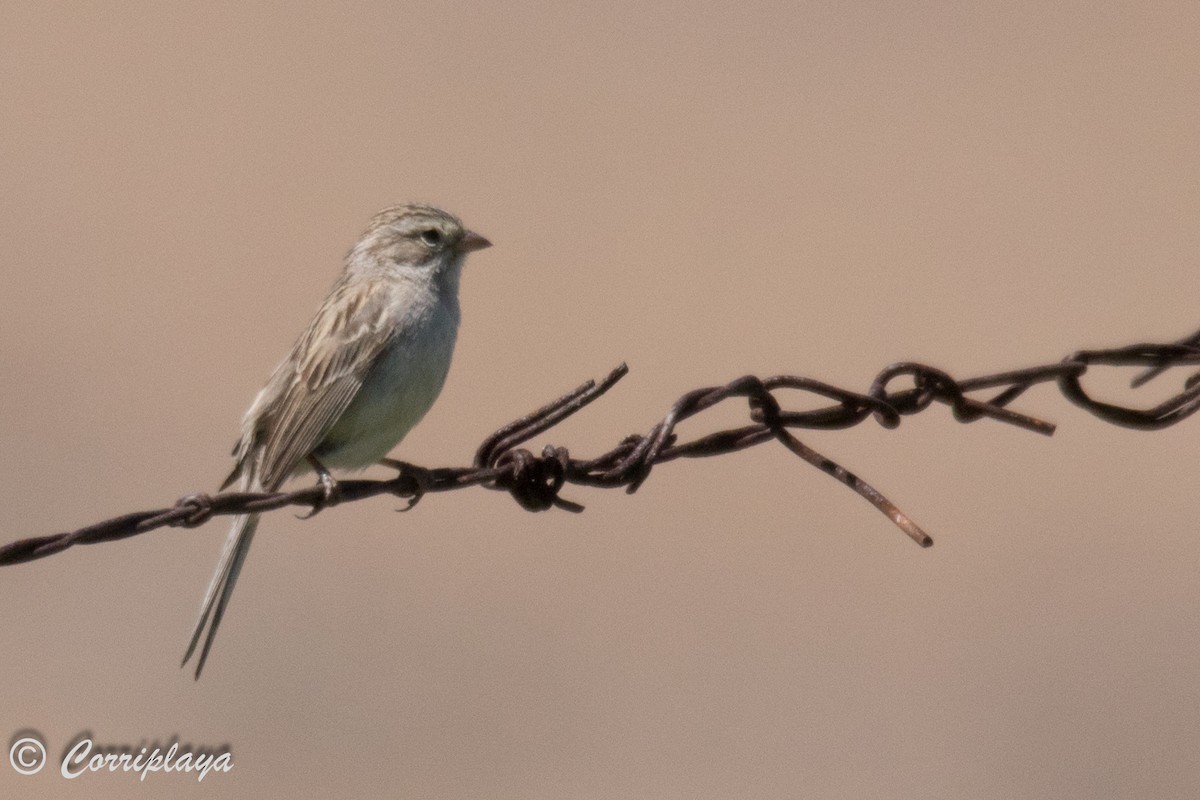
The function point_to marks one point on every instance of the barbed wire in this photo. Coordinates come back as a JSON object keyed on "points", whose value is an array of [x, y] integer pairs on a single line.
{"points": [[535, 482]]}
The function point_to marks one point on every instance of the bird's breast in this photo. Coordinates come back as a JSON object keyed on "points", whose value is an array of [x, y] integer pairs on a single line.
{"points": [[398, 388]]}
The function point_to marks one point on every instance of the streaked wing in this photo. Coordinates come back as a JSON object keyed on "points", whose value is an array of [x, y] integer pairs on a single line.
{"points": [[329, 364]]}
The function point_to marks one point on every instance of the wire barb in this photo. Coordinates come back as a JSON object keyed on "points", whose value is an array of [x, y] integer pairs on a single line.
{"points": [[536, 482]]}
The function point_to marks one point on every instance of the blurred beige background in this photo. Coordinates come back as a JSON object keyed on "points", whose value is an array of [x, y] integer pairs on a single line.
{"points": [[701, 190]]}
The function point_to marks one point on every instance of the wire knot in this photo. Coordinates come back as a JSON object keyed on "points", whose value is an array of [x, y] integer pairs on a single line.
{"points": [[199, 507], [535, 482], [764, 407]]}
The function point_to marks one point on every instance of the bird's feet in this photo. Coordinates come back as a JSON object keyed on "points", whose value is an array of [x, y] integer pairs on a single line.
{"points": [[331, 493], [420, 476]]}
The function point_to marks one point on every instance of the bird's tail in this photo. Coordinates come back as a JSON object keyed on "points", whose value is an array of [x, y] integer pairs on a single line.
{"points": [[237, 545]]}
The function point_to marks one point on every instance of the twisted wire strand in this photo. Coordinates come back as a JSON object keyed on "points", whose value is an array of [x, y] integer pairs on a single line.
{"points": [[536, 481]]}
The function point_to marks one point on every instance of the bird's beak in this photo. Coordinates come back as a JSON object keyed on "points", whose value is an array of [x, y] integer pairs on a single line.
{"points": [[472, 241]]}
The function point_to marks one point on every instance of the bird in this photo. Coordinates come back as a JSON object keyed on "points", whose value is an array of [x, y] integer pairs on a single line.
{"points": [[367, 368]]}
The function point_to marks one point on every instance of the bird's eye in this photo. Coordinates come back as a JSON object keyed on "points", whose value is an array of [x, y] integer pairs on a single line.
{"points": [[431, 237]]}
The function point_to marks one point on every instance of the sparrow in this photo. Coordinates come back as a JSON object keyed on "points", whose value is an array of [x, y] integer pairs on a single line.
{"points": [[364, 372]]}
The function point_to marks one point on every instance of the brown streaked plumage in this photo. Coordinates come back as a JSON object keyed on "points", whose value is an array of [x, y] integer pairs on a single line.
{"points": [[366, 370]]}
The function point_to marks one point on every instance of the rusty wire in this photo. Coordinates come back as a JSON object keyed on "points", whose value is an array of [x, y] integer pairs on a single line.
{"points": [[535, 481]]}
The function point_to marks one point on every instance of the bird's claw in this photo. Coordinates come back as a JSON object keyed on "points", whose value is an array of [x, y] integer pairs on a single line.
{"points": [[419, 475], [331, 492]]}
